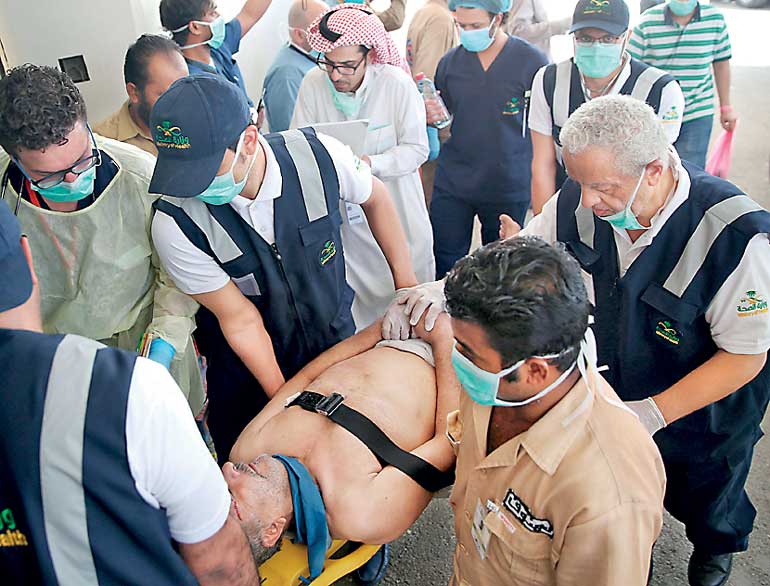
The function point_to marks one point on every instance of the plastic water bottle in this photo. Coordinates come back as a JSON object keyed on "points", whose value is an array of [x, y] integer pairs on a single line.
{"points": [[429, 93]]}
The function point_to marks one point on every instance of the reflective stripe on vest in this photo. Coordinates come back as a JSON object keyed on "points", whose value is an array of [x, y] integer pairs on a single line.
{"points": [[697, 249], [645, 82], [222, 245], [585, 225], [61, 461]]}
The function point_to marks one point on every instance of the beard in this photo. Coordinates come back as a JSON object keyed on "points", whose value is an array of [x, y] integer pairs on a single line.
{"points": [[143, 110], [260, 553]]}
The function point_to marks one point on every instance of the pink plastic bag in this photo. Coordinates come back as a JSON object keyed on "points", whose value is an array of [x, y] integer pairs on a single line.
{"points": [[721, 156]]}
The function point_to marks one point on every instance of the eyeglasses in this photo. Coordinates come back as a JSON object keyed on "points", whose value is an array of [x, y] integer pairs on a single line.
{"points": [[81, 166], [589, 40], [329, 66]]}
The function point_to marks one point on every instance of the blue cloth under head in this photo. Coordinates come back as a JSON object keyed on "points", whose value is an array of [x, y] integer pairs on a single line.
{"points": [[493, 6], [309, 514]]}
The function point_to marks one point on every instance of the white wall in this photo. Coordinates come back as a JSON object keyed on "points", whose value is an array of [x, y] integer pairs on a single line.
{"points": [[42, 31]]}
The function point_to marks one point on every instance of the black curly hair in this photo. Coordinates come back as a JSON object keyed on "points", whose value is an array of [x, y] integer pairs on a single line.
{"points": [[39, 107], [527, 295]]}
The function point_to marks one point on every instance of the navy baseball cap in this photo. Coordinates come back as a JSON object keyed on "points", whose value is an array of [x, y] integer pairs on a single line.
{"points": [[607, 15], [16, 281], [192, 126]]}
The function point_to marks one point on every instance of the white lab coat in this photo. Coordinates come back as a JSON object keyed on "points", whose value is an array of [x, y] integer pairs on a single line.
{"points": [[397, 145]]}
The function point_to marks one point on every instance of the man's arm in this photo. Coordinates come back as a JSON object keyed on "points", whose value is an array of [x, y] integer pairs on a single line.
{"points": [[393, 18], [245, 331], [543, 170], [389, 234], [348, 348], [223, 559], [251, 12], [720, 376], [727, 115]]}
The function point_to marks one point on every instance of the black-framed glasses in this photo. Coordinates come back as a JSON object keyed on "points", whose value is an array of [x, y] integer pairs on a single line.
{"points": [[589, 40], [329, 66], [80, 167]]}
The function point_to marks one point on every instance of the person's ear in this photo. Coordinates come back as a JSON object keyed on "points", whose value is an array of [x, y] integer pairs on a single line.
{"points": [[654, 173], [273, 532], [197, 28], [250, 140], [536, 372], [134, 95], [28, 255]]}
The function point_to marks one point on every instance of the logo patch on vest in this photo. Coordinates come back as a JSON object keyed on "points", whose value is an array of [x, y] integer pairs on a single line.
{"points": [[672, 115], [170, 137], [10, 536], [665, 330], [521, 511], [328, 252], [752, 303], [511, 107]]}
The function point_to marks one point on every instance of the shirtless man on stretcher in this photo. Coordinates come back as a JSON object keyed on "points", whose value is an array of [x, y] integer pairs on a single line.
{"points": [[400, 392]]}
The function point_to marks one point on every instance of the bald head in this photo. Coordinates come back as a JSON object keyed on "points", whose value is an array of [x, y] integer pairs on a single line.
{"points": [[301, 14]]}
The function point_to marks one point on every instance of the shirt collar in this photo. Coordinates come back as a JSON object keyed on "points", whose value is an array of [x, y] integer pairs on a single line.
{"points": [[127, 128], [548, 440], [272, 182], [668, 16]]}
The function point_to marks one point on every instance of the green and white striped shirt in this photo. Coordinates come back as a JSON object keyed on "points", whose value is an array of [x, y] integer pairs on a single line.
{"points": [[686, 52]]}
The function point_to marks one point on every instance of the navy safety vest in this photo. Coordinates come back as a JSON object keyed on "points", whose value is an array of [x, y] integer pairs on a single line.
{"points": [[649, 324], [65, 474], [564, 94], [298, 284]]}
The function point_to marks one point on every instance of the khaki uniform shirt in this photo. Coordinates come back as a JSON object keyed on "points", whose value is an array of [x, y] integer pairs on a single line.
{"points": [[431, 34], [120, 126], [577, 499]]}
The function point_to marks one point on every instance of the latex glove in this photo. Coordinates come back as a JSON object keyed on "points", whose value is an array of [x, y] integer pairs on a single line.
{"points": [[648, 413], [161, 352], [418, 299], [395, 324]]}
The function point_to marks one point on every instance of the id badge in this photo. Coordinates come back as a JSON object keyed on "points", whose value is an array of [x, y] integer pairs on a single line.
{"points": [[355, 213], [479, 531]]}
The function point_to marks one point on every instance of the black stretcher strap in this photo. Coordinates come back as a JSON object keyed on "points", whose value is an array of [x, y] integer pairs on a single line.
{"points": [[423, 473]]}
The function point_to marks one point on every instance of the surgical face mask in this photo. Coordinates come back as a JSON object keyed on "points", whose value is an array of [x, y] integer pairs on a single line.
{"points": [[348, 104], [598, 60], [477, 40], [223, 188], [625, 219], [482, 386], [218, 33], [680, 8], [64, 192]]}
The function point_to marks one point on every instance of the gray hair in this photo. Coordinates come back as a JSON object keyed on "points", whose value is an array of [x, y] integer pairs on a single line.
{"points": [[622, 125]]}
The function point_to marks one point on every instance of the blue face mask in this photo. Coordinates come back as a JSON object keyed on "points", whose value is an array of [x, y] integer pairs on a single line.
{"points": [[598, 60], [477, 40], [223, 188], [482, 385], [625, 219], [348, 104], [218, 33], [79, 189], [682, 8]]}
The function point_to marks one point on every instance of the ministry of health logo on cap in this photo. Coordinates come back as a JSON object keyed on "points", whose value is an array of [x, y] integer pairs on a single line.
{"points": [[597, 7], [170, 137]]}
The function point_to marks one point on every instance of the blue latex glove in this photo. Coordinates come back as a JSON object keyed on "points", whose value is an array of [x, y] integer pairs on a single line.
{"points": [[161, 352], [434, 144]]}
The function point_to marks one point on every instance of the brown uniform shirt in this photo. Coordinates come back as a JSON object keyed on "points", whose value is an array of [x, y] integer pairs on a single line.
{"points": [[431, 34], [576, 500], [120, 126]]}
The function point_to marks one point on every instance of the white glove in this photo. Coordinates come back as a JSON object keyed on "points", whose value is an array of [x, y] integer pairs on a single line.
{"points": [[395, 323], [427, 296], [648, 413]]}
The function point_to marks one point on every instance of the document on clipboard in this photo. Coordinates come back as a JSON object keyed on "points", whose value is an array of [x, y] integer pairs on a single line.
{"points": [[350, 132]]}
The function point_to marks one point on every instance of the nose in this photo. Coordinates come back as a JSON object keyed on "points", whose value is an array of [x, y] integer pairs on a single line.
{"points": [[588, 199], [229, 471], [70, 177], [335, 75]]}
